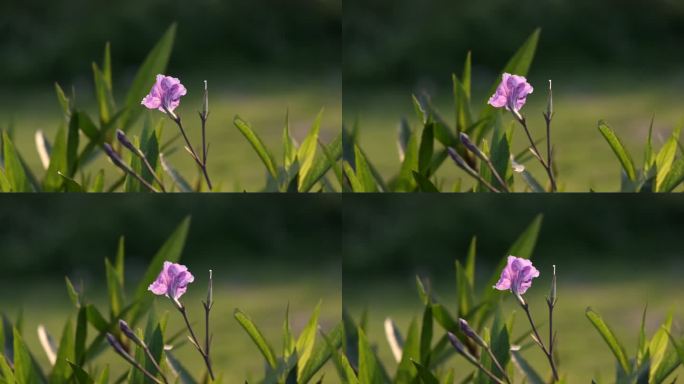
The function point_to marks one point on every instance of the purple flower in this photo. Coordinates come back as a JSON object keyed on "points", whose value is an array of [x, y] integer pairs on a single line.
{"points": [[165, 94], [511, 93], [517, 275], [172, 281]]}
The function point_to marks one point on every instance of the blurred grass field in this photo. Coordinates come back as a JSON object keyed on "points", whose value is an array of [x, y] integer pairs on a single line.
{"points": [[583, 355], [263, 296], [261, 98], [581, 98]]}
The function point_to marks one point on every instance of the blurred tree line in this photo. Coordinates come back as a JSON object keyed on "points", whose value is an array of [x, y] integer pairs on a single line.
{"points": [[56, 40], [582, 232], [60, 234], [388, 40]]}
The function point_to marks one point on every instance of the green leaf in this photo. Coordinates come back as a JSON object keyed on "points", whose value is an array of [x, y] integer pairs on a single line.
{"points": [[424, 184], [426, 336], [81, 335], [363, 172], [657, 348], [25, 368], [72, 143], [58, 163], [184, 376], [257, 337], [665, 158], [405, 181], [70, 184], [65, 353], [426, 377], [289, 148], [103, 94], [344, 368], [619, 150], [63, 100], [464, 290], [306, 340], [530, 374], [114, 290], [523, 248], [410, 351], [518, 64], [369, 371], [674, 178], [307, 151], [6, 371], [73, 294], [97, 186], [321, 165], [178, 180], [171, 251], [427, 143], [353, 179], [82, 377], [610, 339], [155, 63], [321, 354], [258, 145], [14, 169]]}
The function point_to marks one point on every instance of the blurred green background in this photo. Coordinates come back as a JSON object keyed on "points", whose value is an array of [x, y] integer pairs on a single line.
{"points": [[260, 59], [265, 252], [615, 253], [613, 60]]}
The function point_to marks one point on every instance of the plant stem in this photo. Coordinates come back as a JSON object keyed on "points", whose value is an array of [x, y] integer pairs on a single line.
{"points": [[463, 165], [130, 171], [547, 352], [193, 154], [498, 365], [154, 362], [537, 154], [205, 356], [153, 173], [496, 174]]}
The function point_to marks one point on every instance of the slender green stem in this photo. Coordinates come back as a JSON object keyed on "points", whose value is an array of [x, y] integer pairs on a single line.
{"points": [[154, 363], [193, 154], [498, 364], [195, 341], [548, 354], [537, 154]]}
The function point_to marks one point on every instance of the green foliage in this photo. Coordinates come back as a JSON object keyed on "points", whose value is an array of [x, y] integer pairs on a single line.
{"points": [[77, 356], [301, 359], [655, 361], [302, 169], [422, 353], [81, 138], [423, 150]]}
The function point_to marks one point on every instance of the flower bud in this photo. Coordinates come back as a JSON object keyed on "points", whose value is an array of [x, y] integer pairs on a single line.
{"points": [[130, 333], [116, 345], [116, 159], [460, 348], [468, 331], [458, 159], [121, 136], [549, 103], [205, 103], [553, 296], [471, 146]]}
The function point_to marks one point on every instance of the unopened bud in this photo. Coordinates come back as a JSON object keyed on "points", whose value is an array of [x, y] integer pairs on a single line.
{"points": [[468, 331], [126, 330], [471, 146], [205, 103]]}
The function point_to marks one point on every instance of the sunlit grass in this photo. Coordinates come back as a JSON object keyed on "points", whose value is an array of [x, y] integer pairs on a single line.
{"points": [[583, 157], [263, 100], [264, 297], [583, 354]]}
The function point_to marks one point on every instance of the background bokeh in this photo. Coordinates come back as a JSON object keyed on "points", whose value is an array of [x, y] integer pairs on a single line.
{"points": [[260, 59], [613, 60], [615, 253], [265, 253]]}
